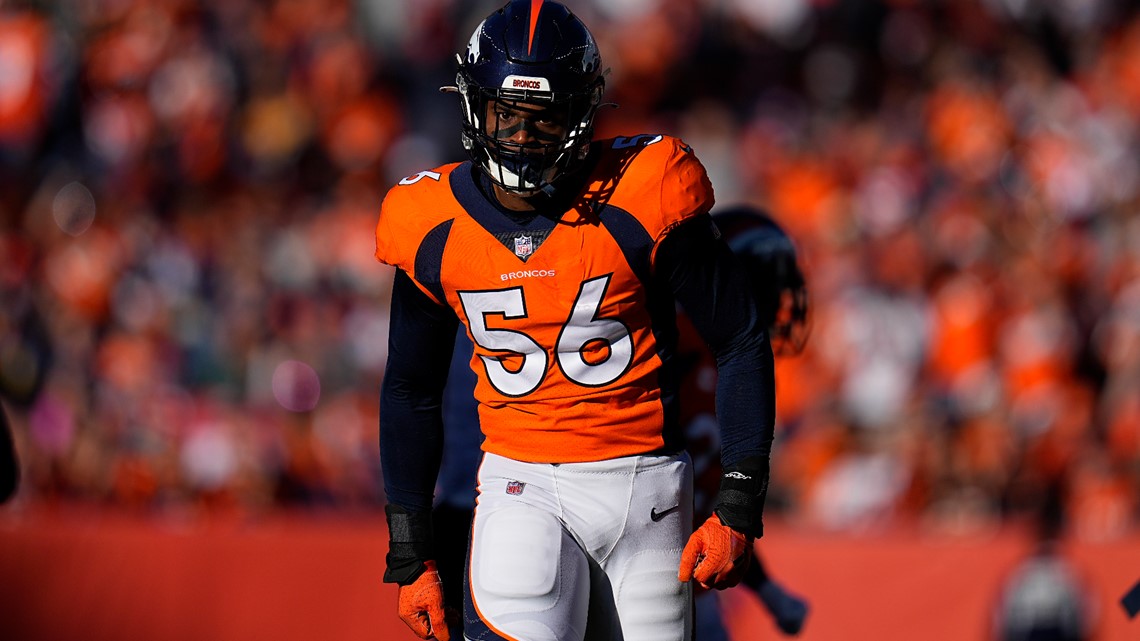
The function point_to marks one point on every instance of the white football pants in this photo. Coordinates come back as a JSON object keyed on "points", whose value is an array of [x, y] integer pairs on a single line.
{"points": [[580, 551]]}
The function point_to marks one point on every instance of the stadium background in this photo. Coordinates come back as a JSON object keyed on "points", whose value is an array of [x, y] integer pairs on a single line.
{"points": [[192, 327]]}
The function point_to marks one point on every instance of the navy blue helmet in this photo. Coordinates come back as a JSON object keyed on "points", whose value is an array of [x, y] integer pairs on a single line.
{"points": [[769, 257], [536, 56]]}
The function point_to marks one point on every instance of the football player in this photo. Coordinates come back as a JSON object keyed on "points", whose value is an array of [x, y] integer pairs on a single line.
{"points": [[564, 258]]}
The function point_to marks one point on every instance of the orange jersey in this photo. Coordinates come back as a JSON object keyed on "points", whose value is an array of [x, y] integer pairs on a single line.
{"points": [[564, 319]]}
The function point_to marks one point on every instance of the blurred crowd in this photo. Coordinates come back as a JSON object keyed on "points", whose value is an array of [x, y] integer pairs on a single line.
{"points": [[191, 316]]}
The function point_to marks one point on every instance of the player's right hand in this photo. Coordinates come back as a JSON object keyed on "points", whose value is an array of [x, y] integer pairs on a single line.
{"points": [[421, 605], [716, 555]]}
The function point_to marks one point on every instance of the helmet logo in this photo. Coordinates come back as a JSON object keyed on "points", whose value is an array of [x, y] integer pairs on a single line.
{"points": [[473, 43], [591, 59], [531, 83]]}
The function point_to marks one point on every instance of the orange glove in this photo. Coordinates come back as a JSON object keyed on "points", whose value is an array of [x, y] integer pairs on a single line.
{"points": [[716, 555], [421, 605]]}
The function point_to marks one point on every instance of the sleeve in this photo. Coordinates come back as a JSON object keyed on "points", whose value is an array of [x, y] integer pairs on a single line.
{"points": [[420, 342], [711, 288], [388, 249], [714, 294], [410, 210]]}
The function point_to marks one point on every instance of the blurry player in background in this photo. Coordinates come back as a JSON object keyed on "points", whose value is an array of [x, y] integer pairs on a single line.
{"points": [[565, 259], [455, 490], [769, 257]]}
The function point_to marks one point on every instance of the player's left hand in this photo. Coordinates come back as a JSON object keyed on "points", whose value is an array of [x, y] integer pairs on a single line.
{"points": [[421, 605], [716, 555]]}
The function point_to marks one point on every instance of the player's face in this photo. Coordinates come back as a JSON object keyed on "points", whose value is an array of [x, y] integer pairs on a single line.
{"points": [[526, 124]]}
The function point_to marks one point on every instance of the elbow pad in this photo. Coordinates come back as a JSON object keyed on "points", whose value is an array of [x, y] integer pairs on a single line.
{"points": [[740, 501]]}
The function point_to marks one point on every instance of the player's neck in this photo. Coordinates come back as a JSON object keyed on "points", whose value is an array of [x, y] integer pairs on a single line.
{"points": [[515, 202]]}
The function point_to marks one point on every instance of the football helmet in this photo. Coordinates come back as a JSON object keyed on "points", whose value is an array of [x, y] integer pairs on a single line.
{"points": [[770, 259], [535, 57]]}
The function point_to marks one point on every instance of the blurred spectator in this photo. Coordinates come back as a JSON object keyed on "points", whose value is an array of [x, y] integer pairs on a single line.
{"points": [[1044, 598], [188, 190]]}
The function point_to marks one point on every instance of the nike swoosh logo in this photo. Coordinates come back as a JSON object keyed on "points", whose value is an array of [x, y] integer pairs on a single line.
{"points": [[657, 516]]}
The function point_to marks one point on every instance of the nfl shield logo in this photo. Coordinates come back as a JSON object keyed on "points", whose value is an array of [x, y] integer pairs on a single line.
{"points": [[514, 488], [524, 246]]}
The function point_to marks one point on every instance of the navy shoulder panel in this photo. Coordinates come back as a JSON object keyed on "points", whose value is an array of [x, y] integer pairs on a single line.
{"points": [[429, 259], [635, 242]]}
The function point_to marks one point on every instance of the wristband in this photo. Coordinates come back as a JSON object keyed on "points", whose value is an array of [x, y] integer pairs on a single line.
{"points": [[409, 544], [740, 501]]}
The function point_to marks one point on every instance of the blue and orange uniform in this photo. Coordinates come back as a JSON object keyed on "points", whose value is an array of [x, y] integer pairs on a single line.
{"points": [[572, 313], [590, 377]]}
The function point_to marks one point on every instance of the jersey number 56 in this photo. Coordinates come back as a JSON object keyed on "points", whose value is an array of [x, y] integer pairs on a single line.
{"points": [[583, 330]]}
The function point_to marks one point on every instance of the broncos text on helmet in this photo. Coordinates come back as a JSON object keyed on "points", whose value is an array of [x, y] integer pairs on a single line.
{"points": [[537, 60]]}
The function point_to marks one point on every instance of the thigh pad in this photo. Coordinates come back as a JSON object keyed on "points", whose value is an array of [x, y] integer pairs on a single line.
{"points": [[518, 553]]}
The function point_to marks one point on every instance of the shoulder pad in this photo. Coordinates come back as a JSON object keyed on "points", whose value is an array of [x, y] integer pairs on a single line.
{"points": [[411, 209], [657, 178]]}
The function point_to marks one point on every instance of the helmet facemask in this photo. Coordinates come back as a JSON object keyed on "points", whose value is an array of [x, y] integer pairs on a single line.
{"points": [[560, 126]]}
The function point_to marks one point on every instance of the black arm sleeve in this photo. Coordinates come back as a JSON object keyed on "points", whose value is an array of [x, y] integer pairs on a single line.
{"points": [[420, 341], [713, 291]]}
